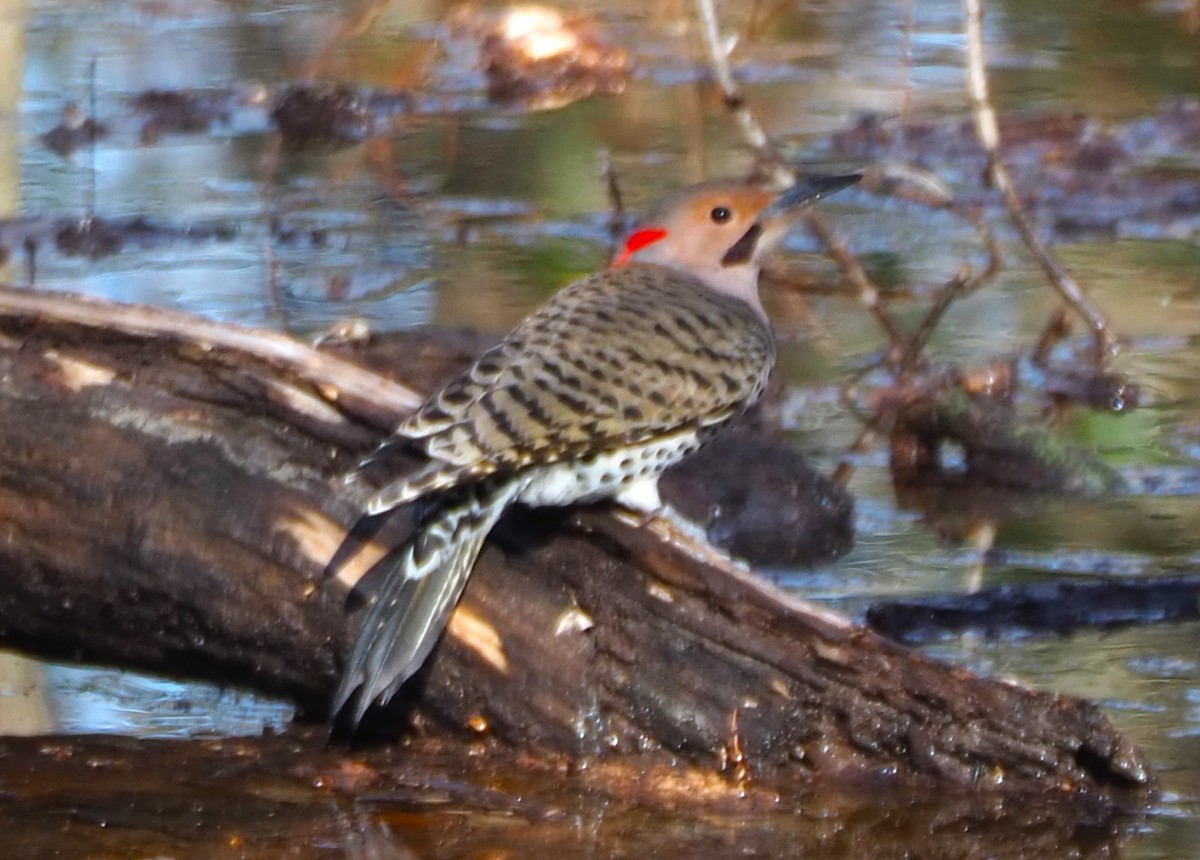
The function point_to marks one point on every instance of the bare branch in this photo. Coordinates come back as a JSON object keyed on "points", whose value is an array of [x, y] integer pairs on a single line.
{"points": [[616, 202], [855, 274], [909, 182], [906, 61], [988, 131], [756, 136], [718, 55]]}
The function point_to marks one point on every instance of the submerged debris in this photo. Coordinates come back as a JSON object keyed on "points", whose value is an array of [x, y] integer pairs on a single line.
{"points": [[1045, 607], [191, 111], [1098, 389], [325, 114], [95, 238], [1084, 178], [535, 57], [73, 131], [993, 447]]}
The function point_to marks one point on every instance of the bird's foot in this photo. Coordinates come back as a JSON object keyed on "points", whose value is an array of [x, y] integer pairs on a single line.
{"points": [[668, 521], [673, 527], [645, 508], [641, 498]]}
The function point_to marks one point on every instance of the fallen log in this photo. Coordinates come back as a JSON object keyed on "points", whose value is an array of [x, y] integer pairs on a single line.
{"points": [[170, 492]]}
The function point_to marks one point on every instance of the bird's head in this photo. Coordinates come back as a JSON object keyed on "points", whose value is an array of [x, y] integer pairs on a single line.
{"points": [[721, 232]]}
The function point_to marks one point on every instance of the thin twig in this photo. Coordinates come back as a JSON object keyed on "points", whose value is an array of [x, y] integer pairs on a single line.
{"points": [[853, 271], [950, 291], [756, 136], [909, 182], [988, 131], [1056, 328], [93, 133], [616, 203], [31, 249], [354, 23], [752, 129], [906, 61], [759, 22]]}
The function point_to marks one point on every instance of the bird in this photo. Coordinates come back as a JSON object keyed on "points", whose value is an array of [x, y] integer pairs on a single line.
{"points": [[614, 379]]}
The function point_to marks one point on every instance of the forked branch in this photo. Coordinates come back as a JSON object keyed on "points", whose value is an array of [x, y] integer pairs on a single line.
{"points": [[988, 131]]}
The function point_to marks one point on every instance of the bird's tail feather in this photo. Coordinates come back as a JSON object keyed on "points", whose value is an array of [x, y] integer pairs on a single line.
{"points": [[361, 533], [420, 583]]}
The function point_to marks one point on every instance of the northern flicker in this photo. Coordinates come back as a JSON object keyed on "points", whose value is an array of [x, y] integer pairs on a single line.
{"points": [[610, 382]]}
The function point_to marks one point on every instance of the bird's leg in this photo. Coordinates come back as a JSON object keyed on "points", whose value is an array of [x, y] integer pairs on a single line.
{"points": [[647, 510], [641, 498]]}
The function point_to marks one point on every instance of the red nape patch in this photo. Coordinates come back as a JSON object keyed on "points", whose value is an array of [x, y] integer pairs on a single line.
{"points": [[637, 240]]}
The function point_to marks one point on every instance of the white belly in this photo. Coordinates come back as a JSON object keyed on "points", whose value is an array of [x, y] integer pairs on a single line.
{"points": [[623, 473]]}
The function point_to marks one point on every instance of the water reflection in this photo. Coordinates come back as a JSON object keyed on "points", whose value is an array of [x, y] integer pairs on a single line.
{"points": [[86, 700]]}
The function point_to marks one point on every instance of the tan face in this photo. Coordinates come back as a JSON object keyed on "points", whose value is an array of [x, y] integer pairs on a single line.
{"points": [[721, 232], [700, 226]]}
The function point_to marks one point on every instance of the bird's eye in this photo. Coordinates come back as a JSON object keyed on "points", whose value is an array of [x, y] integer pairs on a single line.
{"points": [[720, 214]]}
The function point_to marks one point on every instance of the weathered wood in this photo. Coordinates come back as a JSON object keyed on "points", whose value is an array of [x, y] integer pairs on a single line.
{"points": [[170, 502]]}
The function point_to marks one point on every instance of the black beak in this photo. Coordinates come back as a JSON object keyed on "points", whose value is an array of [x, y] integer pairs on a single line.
{"points": [[808, 189]]}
